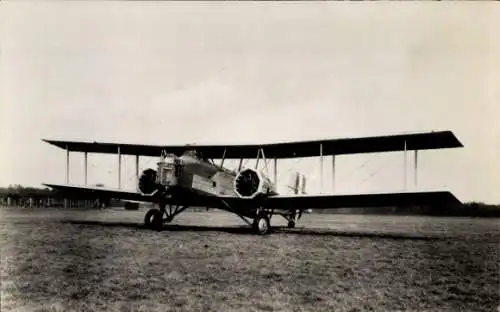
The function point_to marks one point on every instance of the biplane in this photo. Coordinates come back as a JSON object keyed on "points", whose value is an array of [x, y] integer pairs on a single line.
{"points": [[188, 176]]}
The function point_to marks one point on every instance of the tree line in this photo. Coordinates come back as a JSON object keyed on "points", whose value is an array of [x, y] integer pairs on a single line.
{"points": [[21, 191]]}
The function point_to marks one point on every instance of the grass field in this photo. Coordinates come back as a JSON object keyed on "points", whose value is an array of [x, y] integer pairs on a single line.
{"points": [[59, 260]]}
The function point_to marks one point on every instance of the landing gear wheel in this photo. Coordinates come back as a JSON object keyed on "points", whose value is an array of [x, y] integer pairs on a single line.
{"points": [[153, 219], [261, 225], [291, 224]]}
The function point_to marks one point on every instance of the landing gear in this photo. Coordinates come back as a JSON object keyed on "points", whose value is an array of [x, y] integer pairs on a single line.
{"points": [[154, 217], [293, 218], [261, 224]]}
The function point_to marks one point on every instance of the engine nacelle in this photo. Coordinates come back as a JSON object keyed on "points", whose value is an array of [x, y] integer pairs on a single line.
{"points": [[249, 183], [169, 169], [148, 182]]}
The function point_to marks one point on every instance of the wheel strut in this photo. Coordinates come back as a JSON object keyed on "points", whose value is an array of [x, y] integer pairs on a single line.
{"points": [[261, 224], [292, 219], [154, 218]]}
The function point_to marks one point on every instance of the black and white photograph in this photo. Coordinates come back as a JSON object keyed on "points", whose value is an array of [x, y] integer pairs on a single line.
{"points": [[242, 156]]}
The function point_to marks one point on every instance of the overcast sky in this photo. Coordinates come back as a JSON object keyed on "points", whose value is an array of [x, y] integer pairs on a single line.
{"points": [[180, 72]]}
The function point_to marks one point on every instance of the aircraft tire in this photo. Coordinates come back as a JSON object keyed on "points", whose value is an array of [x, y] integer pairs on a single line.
{"points": [[154, 219], [291, 224], [261, 225]]}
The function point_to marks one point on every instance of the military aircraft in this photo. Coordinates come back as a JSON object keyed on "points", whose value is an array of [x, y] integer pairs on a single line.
{"points": [[187, 176]]}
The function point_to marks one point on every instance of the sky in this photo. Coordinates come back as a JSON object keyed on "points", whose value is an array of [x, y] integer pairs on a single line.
{"points": [[229, 72]]}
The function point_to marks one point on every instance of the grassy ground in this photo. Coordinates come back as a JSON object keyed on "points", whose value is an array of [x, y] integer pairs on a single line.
{"points": [[55, 260]]}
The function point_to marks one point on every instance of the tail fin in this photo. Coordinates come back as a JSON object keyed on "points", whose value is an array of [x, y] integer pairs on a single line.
{"points": [[298, 183], [303, 186]]}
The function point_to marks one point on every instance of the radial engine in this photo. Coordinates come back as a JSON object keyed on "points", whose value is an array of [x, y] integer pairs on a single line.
{"points": [[250, 183]]}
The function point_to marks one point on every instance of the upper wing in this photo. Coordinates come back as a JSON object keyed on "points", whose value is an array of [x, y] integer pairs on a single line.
{"points": [[388, 143]]}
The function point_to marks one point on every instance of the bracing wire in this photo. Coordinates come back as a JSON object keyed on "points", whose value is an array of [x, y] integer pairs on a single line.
{"points": [[245, 163], [132, 177], [389, 161], [351, 174]]}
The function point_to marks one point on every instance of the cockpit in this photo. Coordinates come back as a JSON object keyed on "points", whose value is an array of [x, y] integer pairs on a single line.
{"points": [[169, 159], [195, 154], [191, 153]]}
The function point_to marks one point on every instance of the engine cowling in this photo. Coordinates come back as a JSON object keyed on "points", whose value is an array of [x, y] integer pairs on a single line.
{"points": [[249, 183], [148, 182]]}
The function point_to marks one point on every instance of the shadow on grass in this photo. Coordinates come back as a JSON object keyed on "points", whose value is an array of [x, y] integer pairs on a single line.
{"points": [[246, 230]]}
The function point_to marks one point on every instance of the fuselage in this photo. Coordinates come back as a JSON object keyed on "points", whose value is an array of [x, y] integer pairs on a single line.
{"points": [[189, 171], [181, 178]]}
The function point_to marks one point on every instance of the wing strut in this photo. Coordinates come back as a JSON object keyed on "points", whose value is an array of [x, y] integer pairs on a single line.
{"points": [[321, 167], [119, 168], [257, 160], [333, 173], [67, 164], [223, 158], [416, 169], [264, 160], [405, 165], [136, 169], [229, 208], [240, 164], [85, 164], [67, 174], [275, 171]]}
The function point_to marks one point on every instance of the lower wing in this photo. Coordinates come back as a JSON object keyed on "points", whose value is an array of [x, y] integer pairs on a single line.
{"points": [[95, 191], [186, 197], [179, 196], [382, 200], [402, 199]]}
